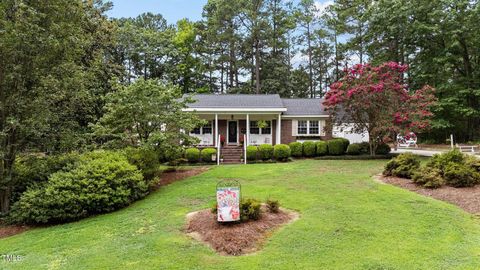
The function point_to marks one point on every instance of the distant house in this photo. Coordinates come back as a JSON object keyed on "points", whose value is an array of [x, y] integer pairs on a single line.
{"points": [[287, 120]]}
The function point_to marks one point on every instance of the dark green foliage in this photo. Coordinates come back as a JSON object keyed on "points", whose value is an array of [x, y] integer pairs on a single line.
{"points": [[146, 160], [383, 149], [336, 147], [322, 148], [265, 151], [100, 182], [354, 149], [296, 148], [250, 209], [345, 143], [404, 165], [364, 148], [281, 152], [428, 178], [273, 205], [460, 175], [252, 152], [192, 155], [440, 161], [473, 162], [207, 154], [309, 149]]}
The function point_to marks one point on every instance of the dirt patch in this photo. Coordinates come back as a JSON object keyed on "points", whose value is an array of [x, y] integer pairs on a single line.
{"points": [[236, 239], [466, 198], [9, 230], [167, 178]]}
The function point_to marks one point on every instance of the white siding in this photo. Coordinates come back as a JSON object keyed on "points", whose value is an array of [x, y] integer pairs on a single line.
{"points": [[345, 131]]}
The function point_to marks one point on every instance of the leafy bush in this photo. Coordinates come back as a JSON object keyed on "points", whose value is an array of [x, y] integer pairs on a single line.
{"points": [[440, 161], [249, 209], [252, 152], [281, 152], [345, 143], [296, 149], [336, 147], [207, 154], [473, 162], [428, 178], [460, 175], [354, 149], [100, 182], [192, 155], [273, 205], [309, 149], [404, 165], [322, 148], [364, 148], [146, 160], [265, 151], [383, 149]]}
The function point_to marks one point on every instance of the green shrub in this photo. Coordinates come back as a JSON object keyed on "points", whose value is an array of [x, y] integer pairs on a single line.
{"points": [[473, 162], [296, 149], [207, 154], [322, 148], [249, 209], [460, 175], [383, 149], [309, 149], [192, 155], [265, 151], [336, 147], [440, 161], [146, 160], [354, 149], [273, 206], [252, 152], [345, 143], [404, 165], [281, 152], [365, 148], [100, 182], [428, 178]]}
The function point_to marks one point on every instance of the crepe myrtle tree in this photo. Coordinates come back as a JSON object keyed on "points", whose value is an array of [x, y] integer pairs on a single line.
{"points": [[376, 99], [148, 113]]}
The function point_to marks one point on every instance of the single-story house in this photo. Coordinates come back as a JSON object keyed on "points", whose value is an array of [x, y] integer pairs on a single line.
{"points": [[283, 120]]}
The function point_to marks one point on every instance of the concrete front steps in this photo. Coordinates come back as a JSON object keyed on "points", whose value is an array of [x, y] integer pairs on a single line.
{"points": [[231, 154]]}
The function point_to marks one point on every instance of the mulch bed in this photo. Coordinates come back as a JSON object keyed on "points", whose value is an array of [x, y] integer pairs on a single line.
{"points": [[167, 178], [9, 230], [465, 198], [238, 238]]}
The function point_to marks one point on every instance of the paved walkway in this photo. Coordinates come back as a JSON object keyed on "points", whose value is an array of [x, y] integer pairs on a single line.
{"points": [[426, 153]]}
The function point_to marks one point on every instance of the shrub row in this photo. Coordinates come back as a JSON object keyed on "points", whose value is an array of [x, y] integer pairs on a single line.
{"points": [[194, 155], [265, 152]]}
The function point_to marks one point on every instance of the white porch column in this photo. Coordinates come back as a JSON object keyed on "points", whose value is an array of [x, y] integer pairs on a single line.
{"points": [[215, 138], [248, 130], [279, 130]]}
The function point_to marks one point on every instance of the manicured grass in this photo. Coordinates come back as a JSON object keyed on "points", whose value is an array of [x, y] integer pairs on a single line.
{"points": [[348, 221]]}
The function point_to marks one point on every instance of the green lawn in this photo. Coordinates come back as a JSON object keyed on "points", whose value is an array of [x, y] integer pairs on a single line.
{"points": [[348, 221]]}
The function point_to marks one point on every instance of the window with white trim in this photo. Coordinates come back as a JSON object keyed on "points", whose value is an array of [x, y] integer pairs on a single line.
{"points": [[206, 129], [313, 127], [309, 127], [254, 129], [268, 129], [302, 127]]}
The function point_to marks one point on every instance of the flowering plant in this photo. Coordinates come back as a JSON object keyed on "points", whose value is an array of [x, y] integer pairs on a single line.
{"points": [[222, 139]]}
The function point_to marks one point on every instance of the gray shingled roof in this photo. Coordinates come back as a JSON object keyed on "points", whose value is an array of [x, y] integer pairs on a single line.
{"points": [[236, 101], [304, 106]]}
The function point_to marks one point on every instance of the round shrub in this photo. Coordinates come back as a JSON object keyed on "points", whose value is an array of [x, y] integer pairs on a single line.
{"points": [[404, 165], [252, 152], [428, 178], [345, 143], [265, 151], [440, 161], [146, 160], [473, 163], [336, 147], [364, 148], [309, 149], [100, 182], [460, 175], [207, 153], [354, 149], [383, 149], [281, 152], [296, 148], [192, 155], [249, 209], [322, 148]]}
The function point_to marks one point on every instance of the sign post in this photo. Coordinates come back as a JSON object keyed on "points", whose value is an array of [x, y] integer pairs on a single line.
{"points": [[228, 201]]}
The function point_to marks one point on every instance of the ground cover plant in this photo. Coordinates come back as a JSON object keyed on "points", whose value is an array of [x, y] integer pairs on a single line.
{"points": [[347, 221]]}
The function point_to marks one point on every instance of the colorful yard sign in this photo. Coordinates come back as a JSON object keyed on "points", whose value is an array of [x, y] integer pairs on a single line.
{"points": [[228, 202]]}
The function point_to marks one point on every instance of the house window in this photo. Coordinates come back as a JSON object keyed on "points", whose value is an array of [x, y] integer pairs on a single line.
{"points": [[302, 127], [314, 128], [254, 127], [268, 129], [196, 131], [207, 129]]}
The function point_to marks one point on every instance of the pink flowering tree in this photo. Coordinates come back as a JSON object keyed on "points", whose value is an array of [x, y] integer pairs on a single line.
{"points": [[376, 99]]}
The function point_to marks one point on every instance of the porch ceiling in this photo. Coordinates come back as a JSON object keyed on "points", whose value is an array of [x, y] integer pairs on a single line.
{"points": [[238, 116]]}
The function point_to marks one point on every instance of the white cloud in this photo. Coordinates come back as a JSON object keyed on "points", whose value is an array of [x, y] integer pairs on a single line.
{"points": [[321, 6]]}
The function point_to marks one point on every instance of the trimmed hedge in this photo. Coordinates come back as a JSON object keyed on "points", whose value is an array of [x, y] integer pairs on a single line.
{"points": [[281, 152], [354, 149], [322, 148], [207, 153], [296, 149], [100, 182], [309, 149], [345, 143], [265, 151], [252, 152], [383, 149], [192, 155], [336, 147]]}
